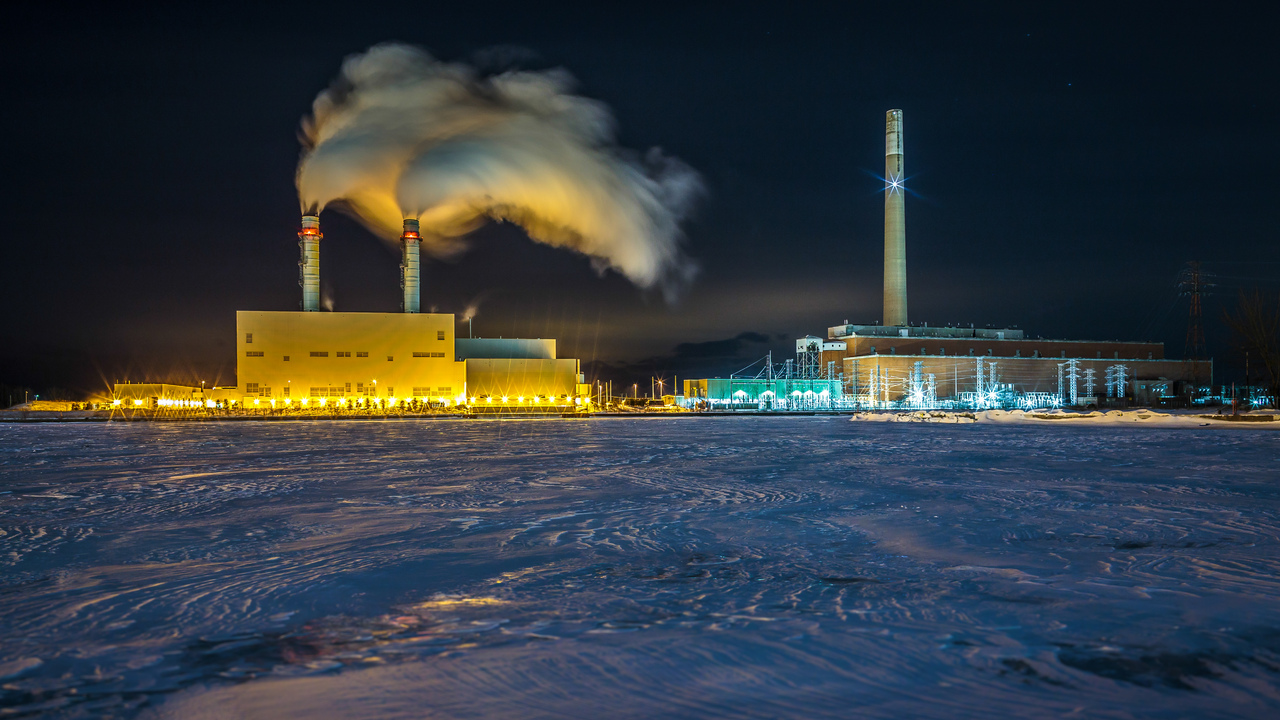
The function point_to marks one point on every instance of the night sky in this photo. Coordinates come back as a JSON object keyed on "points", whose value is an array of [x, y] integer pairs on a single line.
{"points": [[1064, 165]]}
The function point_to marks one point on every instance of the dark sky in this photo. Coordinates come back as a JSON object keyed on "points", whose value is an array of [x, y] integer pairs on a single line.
{"points": [[1065, 163]]}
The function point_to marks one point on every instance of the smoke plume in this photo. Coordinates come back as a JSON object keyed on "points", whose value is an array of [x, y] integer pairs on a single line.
{"points": [[400, 134]]}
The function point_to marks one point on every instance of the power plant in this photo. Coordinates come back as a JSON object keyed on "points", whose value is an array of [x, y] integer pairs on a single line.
{"points": [[897, 365], [353, 359], [311, 359], [375, 361]]}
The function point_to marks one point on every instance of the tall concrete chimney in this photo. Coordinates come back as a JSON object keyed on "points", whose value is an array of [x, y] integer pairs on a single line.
{"points": [[309, 265], [895, 224], [410, 266]]}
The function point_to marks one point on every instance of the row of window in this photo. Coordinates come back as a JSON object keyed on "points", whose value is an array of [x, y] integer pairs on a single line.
{"points": [[337, 391], [1016, 353], [322, 353], [248, 339]]}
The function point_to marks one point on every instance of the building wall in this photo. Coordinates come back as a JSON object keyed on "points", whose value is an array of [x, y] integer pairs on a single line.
{"points": [[959, 374], [754, 389], [1096, 349], [527, 348], [301, 355], [513, 377], [151, 393]]}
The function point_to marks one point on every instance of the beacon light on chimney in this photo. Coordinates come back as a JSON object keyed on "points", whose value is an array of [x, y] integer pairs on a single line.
{"points": [[309, 265], [410, 266]]}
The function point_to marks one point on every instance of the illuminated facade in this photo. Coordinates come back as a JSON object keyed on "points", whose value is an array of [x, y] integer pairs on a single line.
{"points": [[343, 357], [305, 359]]}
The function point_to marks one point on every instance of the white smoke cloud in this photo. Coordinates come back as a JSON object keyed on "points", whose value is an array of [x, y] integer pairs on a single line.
{"points": [[401, 134]]}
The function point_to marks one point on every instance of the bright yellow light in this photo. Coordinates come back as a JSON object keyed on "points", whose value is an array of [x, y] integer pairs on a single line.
{"points": [[342, 402], [520, 399], [210, 403], [115, 402], [504, 399], [137, 402], [473, 401], [304, 402], [255, 401], [488, 399], [287, 401], [273, 402], [323, 402]]}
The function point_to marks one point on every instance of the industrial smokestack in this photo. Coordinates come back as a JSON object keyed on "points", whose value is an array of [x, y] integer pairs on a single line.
{"points": [[309, 265], [895, 224], [410, 266]]}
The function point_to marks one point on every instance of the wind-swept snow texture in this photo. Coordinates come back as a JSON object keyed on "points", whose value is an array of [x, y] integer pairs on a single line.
{"points": [[639, 568]]}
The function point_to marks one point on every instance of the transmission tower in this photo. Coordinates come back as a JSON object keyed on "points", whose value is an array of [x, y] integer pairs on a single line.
{"points": [[1192, 282], [1073, 376]]}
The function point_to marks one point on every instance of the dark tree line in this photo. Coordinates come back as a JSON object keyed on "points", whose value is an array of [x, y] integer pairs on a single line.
{"points": [[1256, 324]]}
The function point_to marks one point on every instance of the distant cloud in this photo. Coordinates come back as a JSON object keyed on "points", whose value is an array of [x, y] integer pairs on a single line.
{"points": [[730, 348]]}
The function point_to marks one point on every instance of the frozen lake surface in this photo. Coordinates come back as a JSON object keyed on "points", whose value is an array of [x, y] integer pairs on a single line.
{"points": [[743, 567]]}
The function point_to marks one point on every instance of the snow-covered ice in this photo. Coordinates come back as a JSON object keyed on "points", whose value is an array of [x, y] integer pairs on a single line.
{"points": [[652, 567]]}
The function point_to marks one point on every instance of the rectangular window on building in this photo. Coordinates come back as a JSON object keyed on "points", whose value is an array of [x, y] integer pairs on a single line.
{"points": [[286, 358], [319, 353], [359, 387], [340, 353], [421, 392], [286, 391], [444, 389], [265, 392], [253, 353], [439, 334], [248, 338], [361, 354], [422, 354], [391, 392], [318, 392], [390, 358], [439, 354], [251, 388], [347, 388]]}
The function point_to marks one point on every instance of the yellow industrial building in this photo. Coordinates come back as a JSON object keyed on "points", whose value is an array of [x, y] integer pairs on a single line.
{"points": [[346, 358], [320, 355]]}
